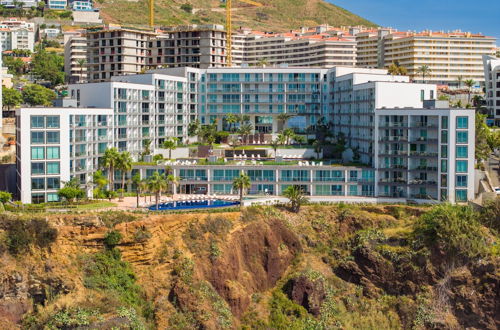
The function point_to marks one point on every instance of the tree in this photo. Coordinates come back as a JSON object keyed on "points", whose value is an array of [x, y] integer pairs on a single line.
{"points": [[143, 188], [245, 130], [136, 180], [241, 184], [100, 181], [275, 145], [34, 95], [11, 98], [396, 69], [173, 181], [81, 63], [146, 144], [231, 119], [317, 148], [459, 81], [109, 161], [296, 197], [157, 183], [15, 65], [300, 139], [469, 83], [283, 119], [194, 128], [48, 66], [124, 165], [71, 191], [170, 144], [5, 197], [424, 70], [483, 135], [289, 134]]}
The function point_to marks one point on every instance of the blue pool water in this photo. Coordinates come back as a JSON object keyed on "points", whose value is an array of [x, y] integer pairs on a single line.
{"points": [[186, 205]]}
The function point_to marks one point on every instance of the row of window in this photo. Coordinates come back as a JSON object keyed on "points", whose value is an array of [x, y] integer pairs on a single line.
{"points": [[45, 121], [45, 183], [40, 153], [42, 168], [49, 137]]}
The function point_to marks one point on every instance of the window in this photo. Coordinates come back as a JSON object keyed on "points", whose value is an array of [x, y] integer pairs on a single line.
{"points": [[422, 95], [37, 168], [37, 183], [353, 190], [53, 168], [37, 153], [37, 198], [53, 183], [461, 195], [37, 138], [462, 122], [444, 165], [461, 151], [462, 137], [444, 136], [461, 166], [53, 137], [53, 122], [461, 180], [444, 151], [52, 197], [37, 122], [52, 152], [444, 122]]}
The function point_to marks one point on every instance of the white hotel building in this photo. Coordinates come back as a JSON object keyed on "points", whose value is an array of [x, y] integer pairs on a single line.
{"points": [[412, 146], [492, 77]]}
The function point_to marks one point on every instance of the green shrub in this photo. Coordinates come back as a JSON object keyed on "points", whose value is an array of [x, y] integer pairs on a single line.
{"points": [[112, 239], [112, 218], [5, 197], [72, 317], [21, 234], [453, 228], [142, 234], [217, 225], [187, 8]]}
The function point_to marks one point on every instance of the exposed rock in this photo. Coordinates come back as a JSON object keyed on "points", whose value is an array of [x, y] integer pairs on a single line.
{"points": [[307, 292]]}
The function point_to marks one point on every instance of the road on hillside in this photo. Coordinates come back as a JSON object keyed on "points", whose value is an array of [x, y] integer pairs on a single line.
{"points": [[493, 168]]}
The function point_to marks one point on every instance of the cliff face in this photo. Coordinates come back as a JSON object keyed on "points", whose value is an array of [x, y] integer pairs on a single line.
{"points": [[326, 267]]}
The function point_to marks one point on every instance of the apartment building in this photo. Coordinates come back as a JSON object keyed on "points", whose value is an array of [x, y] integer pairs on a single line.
{"points": [[113, 51], [13, 3], [57, 4], [198, 46], [492, 77], [56, 144], [449, 55], [15, 34], [75, 56], [322, 47], [418, 146]]}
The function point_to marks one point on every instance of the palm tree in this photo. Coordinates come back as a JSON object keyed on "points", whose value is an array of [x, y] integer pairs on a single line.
{"points": [[99, 179], [275, 145], [396, 69], [109, 161], [136, 180], [243, 119], [242, 183], [288, 134], [459, 81], [146, 144], [317, 148], [143, 188], [424, 70], [281, 138], [124, 164], [245, 130], [469, 83], [170, 144], [283, 119], [157, 183], [173, 181], [296, 197], [81, 62], [231, 119]]}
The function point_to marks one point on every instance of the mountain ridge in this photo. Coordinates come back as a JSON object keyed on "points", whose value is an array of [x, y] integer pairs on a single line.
{"points": [[275, 15]]}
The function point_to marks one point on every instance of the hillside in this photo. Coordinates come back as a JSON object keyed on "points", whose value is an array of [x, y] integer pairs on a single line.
{"points": [[275, 15], [327, 267]]}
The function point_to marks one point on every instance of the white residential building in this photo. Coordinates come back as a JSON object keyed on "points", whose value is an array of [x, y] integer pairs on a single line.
{"points": [[492, 77], [56, 144], [75, 56], [15, 34], [448, 55]]}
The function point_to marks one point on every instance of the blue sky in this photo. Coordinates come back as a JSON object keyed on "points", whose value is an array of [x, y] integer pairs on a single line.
{"points": [[467, 15]]}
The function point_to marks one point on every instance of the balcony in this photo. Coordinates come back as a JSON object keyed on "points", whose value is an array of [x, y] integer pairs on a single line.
{"points": [[194, 178], [425, 168], [394, 152], [393, 180], [418, 182], [424, 139], [424, 124], [330, 179], [423, 154], [393, 124], [394, 167], [394, 138]]}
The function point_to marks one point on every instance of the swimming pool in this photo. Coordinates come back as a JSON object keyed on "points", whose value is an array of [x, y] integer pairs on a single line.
{"points": [[186, 205]]}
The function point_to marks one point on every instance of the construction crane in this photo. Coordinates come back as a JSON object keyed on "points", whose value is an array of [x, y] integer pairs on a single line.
{"points": [[151, 13], [229, 27]]}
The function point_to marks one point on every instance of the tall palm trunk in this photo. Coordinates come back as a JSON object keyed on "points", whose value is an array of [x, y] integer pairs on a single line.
{"points": [[157, 200], [138, 194], [241, 197], [111, 175], [123, 185]]}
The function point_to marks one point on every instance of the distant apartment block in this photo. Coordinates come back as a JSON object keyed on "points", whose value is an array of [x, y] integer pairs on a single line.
{"points": [[57, 4], [449, 55], [15, 34], [198, 46], [75, 56], [13, 3], [114, 51], [322, 46], [492, 76]]}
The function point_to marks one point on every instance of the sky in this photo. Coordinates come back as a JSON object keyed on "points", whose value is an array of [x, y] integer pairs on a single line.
{"points": [[467, 15]]}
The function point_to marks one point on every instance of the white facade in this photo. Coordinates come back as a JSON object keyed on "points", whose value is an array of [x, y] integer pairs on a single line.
{"points": [[15, 34], [492, 77], [56, 144], [75, 56]]}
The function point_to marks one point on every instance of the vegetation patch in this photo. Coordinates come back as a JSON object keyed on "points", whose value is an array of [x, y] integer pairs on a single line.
{"points": [[21, 234]]}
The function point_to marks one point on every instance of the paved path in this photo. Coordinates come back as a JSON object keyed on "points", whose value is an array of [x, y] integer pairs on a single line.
{"points": [[493, 168]]}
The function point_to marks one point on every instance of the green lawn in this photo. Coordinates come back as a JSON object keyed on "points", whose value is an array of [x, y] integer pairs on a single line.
{"points": [[96, 205]]}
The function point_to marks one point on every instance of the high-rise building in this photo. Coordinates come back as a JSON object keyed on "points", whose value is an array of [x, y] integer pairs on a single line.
{"points": [[15, 34], [322, 46], [492, 77], [75, 56], [448, 55], [114, 51], [198, 46]]}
